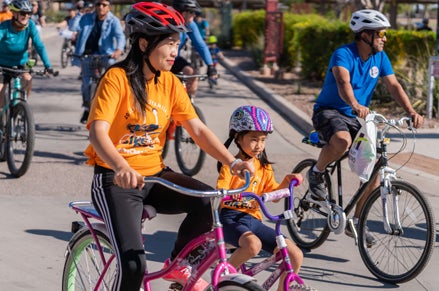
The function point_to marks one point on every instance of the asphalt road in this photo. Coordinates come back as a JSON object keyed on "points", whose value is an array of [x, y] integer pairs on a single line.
{"points": [[35, 219]]}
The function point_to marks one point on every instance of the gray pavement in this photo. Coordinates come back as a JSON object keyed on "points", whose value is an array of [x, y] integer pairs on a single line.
{"points": [[35, 219]]}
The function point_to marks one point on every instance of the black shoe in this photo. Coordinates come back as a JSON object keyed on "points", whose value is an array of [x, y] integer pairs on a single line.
{"points": [[316, 185], [370, 240], [84, 117]]}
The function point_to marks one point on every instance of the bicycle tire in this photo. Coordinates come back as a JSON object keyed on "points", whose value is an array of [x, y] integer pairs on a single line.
{"points": [[3, 137], [92, 89], [83, 261], [308, 228], [64, 55], [230, 285], [20, 139], [190, 157], [397, 258], [165, 149]]}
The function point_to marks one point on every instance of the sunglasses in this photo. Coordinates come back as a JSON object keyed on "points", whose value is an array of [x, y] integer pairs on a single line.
{"points": [[102, 4], [381, 33], [22, 13]]}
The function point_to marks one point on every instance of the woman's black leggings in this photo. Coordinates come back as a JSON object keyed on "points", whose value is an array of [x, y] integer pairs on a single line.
{"points": [[122, 210]]}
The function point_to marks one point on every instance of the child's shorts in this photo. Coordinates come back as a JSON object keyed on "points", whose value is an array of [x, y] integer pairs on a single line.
{"points": [[235, 223]]}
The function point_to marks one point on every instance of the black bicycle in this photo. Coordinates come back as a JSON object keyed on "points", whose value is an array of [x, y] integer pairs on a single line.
{"points": [[17, 126], [396, 214], [97, 64], [67, 51], [190, 157]]}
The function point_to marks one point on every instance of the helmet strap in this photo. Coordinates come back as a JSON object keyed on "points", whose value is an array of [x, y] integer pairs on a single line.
{"points": [[17, 25], [153, 70], [370, 43], [236, 135], [246, 156]]}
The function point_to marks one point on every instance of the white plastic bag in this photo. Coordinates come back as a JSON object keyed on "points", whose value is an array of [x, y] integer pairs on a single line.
{"points": [[362, 154]]}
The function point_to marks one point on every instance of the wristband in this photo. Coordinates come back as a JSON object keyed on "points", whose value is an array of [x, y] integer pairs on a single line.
{"points": [[234, 164]]}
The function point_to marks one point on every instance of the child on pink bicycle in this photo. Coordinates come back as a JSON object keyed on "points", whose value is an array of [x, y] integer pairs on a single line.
{"points": [[242, 219]]}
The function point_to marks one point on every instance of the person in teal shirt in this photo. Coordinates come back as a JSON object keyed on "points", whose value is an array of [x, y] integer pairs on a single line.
{"points": [[14, 39]]}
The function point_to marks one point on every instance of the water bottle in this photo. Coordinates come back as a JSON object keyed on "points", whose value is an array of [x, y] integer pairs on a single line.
{"points": [[314, 137]]}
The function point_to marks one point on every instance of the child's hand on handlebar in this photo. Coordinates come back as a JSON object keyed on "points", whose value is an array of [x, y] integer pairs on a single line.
{"points": [[288, 178]]}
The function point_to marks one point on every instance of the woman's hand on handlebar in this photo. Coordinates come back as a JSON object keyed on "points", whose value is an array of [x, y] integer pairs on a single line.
{"points": [[128, 178], [240, 167]]}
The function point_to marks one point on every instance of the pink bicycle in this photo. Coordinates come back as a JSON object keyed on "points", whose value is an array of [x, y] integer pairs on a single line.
{"points": [[90, 260], [280, 260]]}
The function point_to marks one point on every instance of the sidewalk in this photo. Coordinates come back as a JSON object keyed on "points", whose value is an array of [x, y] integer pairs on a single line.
{"points": [[425, 158]]}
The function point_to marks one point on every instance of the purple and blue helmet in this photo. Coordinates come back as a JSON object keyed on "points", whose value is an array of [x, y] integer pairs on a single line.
{"points": [[250, 118]]}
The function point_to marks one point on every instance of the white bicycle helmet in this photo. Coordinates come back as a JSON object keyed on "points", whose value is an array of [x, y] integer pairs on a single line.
{"points": [[368, 19], [20, 6]]}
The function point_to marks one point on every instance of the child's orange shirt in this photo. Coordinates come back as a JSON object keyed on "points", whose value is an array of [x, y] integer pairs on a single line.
{"points": [[263, 181]]}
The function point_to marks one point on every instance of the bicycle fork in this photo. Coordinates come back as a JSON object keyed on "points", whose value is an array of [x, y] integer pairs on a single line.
{"points": [[387, 175]]}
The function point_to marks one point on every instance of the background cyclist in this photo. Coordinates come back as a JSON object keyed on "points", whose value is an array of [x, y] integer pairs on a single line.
{"points": [[188, 8], [5, 13], [14, 38], [132, 109], [99, 33], [351, 78]]}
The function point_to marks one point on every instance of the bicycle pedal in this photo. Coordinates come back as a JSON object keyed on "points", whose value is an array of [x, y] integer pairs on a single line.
{"points": [[175, 287]]}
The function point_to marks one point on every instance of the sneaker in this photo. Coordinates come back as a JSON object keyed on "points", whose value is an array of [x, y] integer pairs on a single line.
{"points": [[84, 117], [370, 240], [316, 185], [181, 275]]}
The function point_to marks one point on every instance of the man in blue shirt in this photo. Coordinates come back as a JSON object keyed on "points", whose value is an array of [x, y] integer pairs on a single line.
{"points": [[188, 8], [99, 33], [351, 78]]}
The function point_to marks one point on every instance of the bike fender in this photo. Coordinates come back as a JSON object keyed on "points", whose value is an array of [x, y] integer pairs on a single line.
{"points": [[97, 226], [239, 278], [101, 227]]}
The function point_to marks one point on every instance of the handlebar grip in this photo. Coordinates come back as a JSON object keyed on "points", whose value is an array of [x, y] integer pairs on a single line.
{"points": [[275, 195], [294, 182]]}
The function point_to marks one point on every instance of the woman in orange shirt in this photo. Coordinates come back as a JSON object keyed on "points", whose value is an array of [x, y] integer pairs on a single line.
{"points": [[131, 111]]}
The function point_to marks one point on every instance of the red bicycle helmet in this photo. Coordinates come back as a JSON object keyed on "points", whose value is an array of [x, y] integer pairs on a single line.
{"points": [[154, 18]]}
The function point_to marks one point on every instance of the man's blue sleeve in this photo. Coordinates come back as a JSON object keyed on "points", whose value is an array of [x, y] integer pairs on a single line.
{"points": [[120, 36], [199, 44]]}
